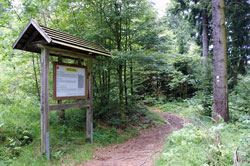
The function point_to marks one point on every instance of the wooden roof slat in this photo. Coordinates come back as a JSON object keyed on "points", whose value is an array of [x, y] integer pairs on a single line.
{"points": [[75, 43], [65, 34], [69, 38], [57, 34], [65, 38], [83, 49]]}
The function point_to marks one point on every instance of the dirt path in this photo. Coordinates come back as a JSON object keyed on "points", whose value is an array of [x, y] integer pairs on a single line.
{"points": [[140, 150]]}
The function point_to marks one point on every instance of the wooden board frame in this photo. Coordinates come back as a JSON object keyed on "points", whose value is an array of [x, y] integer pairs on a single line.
{"points": [[54, 82]]}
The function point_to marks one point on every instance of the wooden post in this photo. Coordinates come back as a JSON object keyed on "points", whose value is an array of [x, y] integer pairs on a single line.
{"points": [[60, 114], [89, 113], [45, 101], [79, 61]]}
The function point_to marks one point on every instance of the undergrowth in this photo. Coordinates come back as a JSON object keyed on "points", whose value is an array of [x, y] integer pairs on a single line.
{"points": [[202, 142], [20, 134]]}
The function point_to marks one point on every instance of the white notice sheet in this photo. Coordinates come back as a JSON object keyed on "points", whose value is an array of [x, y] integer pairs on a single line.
{"points": [[70, 81]]}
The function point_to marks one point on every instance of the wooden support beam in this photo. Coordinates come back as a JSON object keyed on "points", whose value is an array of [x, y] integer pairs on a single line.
{"points": [[30, 39], [61, 113], [79, 61], [65, 57], [64, 52], [45, 102], [67, 106], [89, 113], [60, 58]]}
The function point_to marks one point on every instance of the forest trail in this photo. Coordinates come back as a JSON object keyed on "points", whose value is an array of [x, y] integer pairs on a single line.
{"points": [[140, 150]]}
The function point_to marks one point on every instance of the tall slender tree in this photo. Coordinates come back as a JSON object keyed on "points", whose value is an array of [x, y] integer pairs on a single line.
{"points": [[204, 33], [197, 13], [220, 94]]}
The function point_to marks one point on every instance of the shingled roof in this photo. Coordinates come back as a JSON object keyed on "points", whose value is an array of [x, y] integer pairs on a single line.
{"points": [[34, 33]]}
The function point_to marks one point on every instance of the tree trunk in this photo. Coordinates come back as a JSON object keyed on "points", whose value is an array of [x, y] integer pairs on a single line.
{"points": [[131, 78], [204, 36], [43, 14], [109, 80], [121, 93], [220, 98], [117, 31], [125, 83]]}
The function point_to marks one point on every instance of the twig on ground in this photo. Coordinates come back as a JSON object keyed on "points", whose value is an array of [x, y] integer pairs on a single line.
{"points": [[149, 157], [143, 163], [128, 158], [236, 160], [100, 158], [218, 140]]}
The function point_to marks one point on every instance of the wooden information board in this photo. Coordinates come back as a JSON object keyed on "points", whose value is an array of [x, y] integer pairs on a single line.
{"points": [[69, 81]]}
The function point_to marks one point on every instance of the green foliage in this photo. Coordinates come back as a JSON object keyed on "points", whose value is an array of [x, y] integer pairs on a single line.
{"points": [[159, 77], [239, 98], [189, 108], [181, 29], [142, 118], [14, 138], [204, 93], [192, 11], [165, 76], [110, 136], [137, 116], [205, 143], [237, 29]]}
